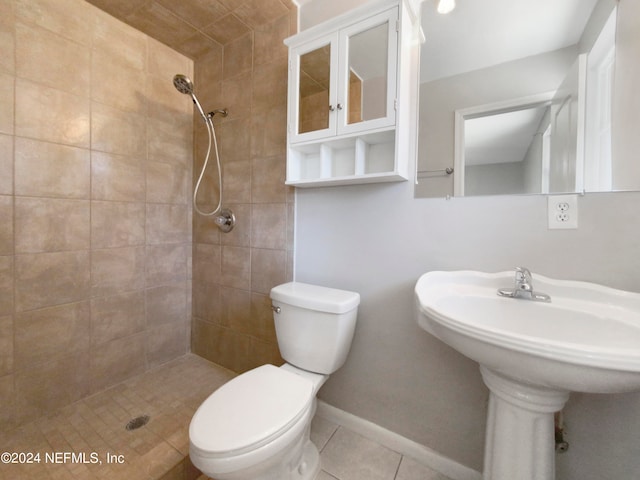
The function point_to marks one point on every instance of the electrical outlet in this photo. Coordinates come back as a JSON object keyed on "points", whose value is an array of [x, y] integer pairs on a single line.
{"points": [[562, 211]]}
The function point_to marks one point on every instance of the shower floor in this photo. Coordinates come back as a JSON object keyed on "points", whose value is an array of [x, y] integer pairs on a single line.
{"points": [[88, 439]]}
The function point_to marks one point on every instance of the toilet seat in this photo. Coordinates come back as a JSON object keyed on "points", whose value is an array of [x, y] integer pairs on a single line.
{"points": [[250, 411]]}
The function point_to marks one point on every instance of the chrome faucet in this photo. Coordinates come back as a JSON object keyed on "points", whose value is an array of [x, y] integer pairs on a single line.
{"points": [[523, 288]]}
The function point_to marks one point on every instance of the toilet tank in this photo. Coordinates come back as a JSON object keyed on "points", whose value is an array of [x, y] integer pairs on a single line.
{"points": [[314, 325]]}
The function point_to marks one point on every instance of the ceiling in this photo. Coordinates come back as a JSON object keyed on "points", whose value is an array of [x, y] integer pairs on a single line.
{"points": [[482, 33], [193, 27]]}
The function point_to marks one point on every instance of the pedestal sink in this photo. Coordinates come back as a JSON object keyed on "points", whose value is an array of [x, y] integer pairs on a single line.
{"points": [[533, 354]]}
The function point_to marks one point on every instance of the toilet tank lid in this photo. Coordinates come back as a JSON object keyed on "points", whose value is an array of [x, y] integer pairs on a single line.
{"points": [[314, 297]]}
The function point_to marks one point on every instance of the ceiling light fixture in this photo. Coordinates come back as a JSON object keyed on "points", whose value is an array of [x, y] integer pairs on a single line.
{"points": [[446, 6]]}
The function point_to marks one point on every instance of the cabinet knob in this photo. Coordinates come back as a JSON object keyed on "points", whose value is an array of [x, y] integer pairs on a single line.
{"points": [[339, 106], [331, 108]]}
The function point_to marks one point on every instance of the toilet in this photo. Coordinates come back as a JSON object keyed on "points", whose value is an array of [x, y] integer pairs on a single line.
{"points": [[256, 426]]}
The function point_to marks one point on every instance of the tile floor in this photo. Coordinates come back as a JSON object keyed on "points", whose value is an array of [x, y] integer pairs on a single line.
{"points": [[345, 455], [169, 394], [93, 429]]}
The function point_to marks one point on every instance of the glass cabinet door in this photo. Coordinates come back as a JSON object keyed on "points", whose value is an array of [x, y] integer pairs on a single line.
{"points": [[367, 93], [369, 72], [313, 90], [344, 82]]}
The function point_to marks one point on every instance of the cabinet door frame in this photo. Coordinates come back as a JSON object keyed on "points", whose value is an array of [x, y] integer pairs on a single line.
{"points": [[390, 17], [294, 89]]}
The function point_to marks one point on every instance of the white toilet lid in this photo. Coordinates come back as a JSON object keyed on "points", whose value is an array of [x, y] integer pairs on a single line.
{"points": [[250, 409]]}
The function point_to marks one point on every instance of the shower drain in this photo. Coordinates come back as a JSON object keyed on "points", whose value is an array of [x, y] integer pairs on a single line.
{"points": [[137, 422]]}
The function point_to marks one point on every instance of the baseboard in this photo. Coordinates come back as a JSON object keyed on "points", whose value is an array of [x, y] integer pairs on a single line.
{"points": [[398, 443]]}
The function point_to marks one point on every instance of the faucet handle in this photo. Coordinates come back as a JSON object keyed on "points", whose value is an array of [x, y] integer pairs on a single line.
{"points": [[523, 275]]}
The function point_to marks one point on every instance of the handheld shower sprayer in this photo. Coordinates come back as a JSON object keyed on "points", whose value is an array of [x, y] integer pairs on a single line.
{"points": [[225, 219], [184, 85]]}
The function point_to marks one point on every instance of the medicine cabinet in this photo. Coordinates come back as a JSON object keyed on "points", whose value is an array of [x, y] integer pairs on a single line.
{"points": [[343, 102]]}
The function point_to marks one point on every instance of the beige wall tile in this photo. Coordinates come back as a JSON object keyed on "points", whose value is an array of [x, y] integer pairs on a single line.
{"points": [[117, 85], [262, 352], [206, 302], [46, 279], [117, 270], [167, 183], [269, 41], [44, 169], [6, 225], [226, 29], [117, 224], [7, 400], [235, 309], [235, 185], [238, 56], [52, 60], [7, 43], [117, 178], [202, 334], [165, 62], [117, 360], [66, 121], [269, 133], [236, 267], [207, 263], [167, 104], [6, 165], [270, 85], [51, 225], [166, 304], [262, 321], [171, 141], [160, 23], [123, 43], [69, 18], [240, 236], [166, 342], [205, 229], [7, 107], [197, 13], [208, 69], [51, 385], [6, 284], [259, 12], [232, 140], [267, 180], [269, 223], [236, 92], [165, 264], [6, 346], [117, 316], [44, 334], [268, 269], [116, 131], [166, 224]]}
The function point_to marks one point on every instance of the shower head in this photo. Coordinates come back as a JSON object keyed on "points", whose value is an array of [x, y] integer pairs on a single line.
{"points": [[183, 84]]}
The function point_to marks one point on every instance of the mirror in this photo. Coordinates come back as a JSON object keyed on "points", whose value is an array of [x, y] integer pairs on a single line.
{"points": [[367, 97], [510, 105], [314, 90]]}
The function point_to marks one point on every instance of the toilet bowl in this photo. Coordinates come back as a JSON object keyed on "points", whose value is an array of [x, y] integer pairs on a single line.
{"points": [[256, 426]]}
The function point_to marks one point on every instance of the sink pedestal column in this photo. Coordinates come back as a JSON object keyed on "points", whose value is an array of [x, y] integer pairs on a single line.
{"points": [[520, 440]]}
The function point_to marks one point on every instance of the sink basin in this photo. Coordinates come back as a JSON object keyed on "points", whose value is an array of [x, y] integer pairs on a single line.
{"points": [[533, 354], [587, 339]]}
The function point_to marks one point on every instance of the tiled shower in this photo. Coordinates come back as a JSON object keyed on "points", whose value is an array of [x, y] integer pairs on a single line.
{"points": [[97, 237]]}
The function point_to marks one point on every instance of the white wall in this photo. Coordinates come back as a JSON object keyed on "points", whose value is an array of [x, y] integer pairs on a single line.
{"points": [[378, 239]]}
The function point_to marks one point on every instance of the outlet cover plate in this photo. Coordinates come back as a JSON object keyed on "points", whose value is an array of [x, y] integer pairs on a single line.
{"points": [[562, 211]]}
